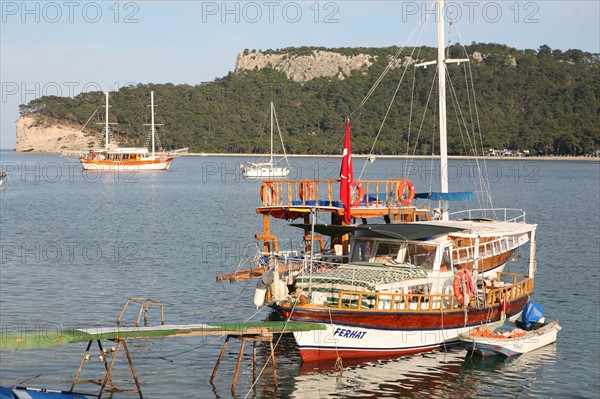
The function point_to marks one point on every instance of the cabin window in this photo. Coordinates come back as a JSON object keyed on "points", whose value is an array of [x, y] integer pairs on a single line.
{"points": [[387, 252], [361, 252], [422, 255]]}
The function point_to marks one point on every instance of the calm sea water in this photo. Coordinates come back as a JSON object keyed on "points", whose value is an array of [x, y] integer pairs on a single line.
{"points": [[75, 246]]}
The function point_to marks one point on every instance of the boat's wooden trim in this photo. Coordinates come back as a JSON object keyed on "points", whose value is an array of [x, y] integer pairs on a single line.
{"points": [[400, 319]]}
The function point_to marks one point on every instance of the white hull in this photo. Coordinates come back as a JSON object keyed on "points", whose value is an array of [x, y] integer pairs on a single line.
{"points": [[357, 342], [532, 340], [116, 167], [265, 173]]}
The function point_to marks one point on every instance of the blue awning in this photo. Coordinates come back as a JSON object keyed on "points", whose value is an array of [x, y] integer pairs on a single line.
{"points": [[455, 196]]}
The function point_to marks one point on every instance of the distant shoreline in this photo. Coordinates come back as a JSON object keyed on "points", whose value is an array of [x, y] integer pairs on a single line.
{"points": [[535, 158], [254, 156]]}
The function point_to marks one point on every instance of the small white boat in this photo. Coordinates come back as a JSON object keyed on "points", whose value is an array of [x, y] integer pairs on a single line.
{"points": [[509, 338], [2, 176], [270, 169]]}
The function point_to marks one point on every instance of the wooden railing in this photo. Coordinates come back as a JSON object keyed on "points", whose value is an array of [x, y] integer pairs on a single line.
{"points": [[286, 193], [486, 249], [394, 302]]}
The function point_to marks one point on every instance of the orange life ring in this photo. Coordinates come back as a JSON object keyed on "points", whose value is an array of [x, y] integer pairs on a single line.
{"points": [[361, 193], [271, 194], [406, 200], [458, 291], [304, 189]]}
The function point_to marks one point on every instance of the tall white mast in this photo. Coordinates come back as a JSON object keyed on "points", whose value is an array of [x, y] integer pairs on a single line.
{"points": [[271, 133], [106, 124], [152, 119], [441, 61]]}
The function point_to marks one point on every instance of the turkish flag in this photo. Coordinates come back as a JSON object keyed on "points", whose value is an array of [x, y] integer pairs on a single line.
{"points": [[346, 175]]}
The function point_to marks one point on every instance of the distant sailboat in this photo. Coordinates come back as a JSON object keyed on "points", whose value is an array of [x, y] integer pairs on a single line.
{"points": [[115, 158], [270, 169]]}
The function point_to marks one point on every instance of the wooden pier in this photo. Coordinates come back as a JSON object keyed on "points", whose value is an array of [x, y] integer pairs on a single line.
{"points": [[246, 332]]}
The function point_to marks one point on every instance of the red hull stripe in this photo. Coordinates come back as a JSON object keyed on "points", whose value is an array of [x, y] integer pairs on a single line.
{"points": [[311, 354]]}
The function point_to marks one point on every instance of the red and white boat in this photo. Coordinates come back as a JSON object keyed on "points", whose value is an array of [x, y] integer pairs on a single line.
{"points": [[410, 284]]}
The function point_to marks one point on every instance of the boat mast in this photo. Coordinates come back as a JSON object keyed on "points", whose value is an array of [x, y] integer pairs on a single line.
{"points": [[441, 61], [152, 120], [271, 134], [106, 123]]}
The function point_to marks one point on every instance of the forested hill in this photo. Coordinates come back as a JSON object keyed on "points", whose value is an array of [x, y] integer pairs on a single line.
{"points": [[545, 101]]}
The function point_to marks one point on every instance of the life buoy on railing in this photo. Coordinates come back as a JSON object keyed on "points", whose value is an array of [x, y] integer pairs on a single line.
{"points": [[267, 190], [463, 287], [406, 200], [306, 191], [356, 187]]}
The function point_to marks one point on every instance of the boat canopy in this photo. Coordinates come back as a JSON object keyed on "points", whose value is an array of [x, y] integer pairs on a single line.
{"points": [[404, 231], [454, 196]]}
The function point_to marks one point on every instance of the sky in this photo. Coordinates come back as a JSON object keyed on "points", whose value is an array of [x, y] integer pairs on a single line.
{"points": [[67, 47]]}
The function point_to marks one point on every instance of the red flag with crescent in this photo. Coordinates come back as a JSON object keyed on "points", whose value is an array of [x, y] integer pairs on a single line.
{"points": [[346, 175]]}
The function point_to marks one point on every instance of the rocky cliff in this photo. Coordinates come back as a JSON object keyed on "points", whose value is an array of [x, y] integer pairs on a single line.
{"points": [[38, 135], [302, 68], [322, 63]]}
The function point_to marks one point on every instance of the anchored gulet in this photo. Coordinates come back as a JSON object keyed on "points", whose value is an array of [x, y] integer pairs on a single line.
{"points": [[407, 285], [115, 158]]}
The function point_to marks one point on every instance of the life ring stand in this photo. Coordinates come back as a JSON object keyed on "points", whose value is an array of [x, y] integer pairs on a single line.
{"points": [[271, 194], [402, 185], [306, 191], [361, 193]]}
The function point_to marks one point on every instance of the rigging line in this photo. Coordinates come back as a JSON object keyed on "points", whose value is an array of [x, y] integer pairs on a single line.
{"points": [[338, 360], [412, 103], [485, 184], [88, 121], [206, 343], [389, 66], [387, 112], [280, 136], [423, 117], [273, 353], [460, 118]]}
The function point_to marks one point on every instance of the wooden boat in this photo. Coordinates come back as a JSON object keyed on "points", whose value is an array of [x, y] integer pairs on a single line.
{"points": [[270, 169], [396, 286], [506, 338], [115, 158]]}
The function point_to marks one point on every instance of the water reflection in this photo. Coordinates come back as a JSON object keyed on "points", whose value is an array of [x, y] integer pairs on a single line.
{"points": [[453, 373]]}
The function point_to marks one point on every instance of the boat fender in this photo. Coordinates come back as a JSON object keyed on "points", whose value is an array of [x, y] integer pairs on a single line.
{"points": [[361, 193], [306, 191], [260, 293], [463, 279], [267, 190], [267, 277], [406, 199]]}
